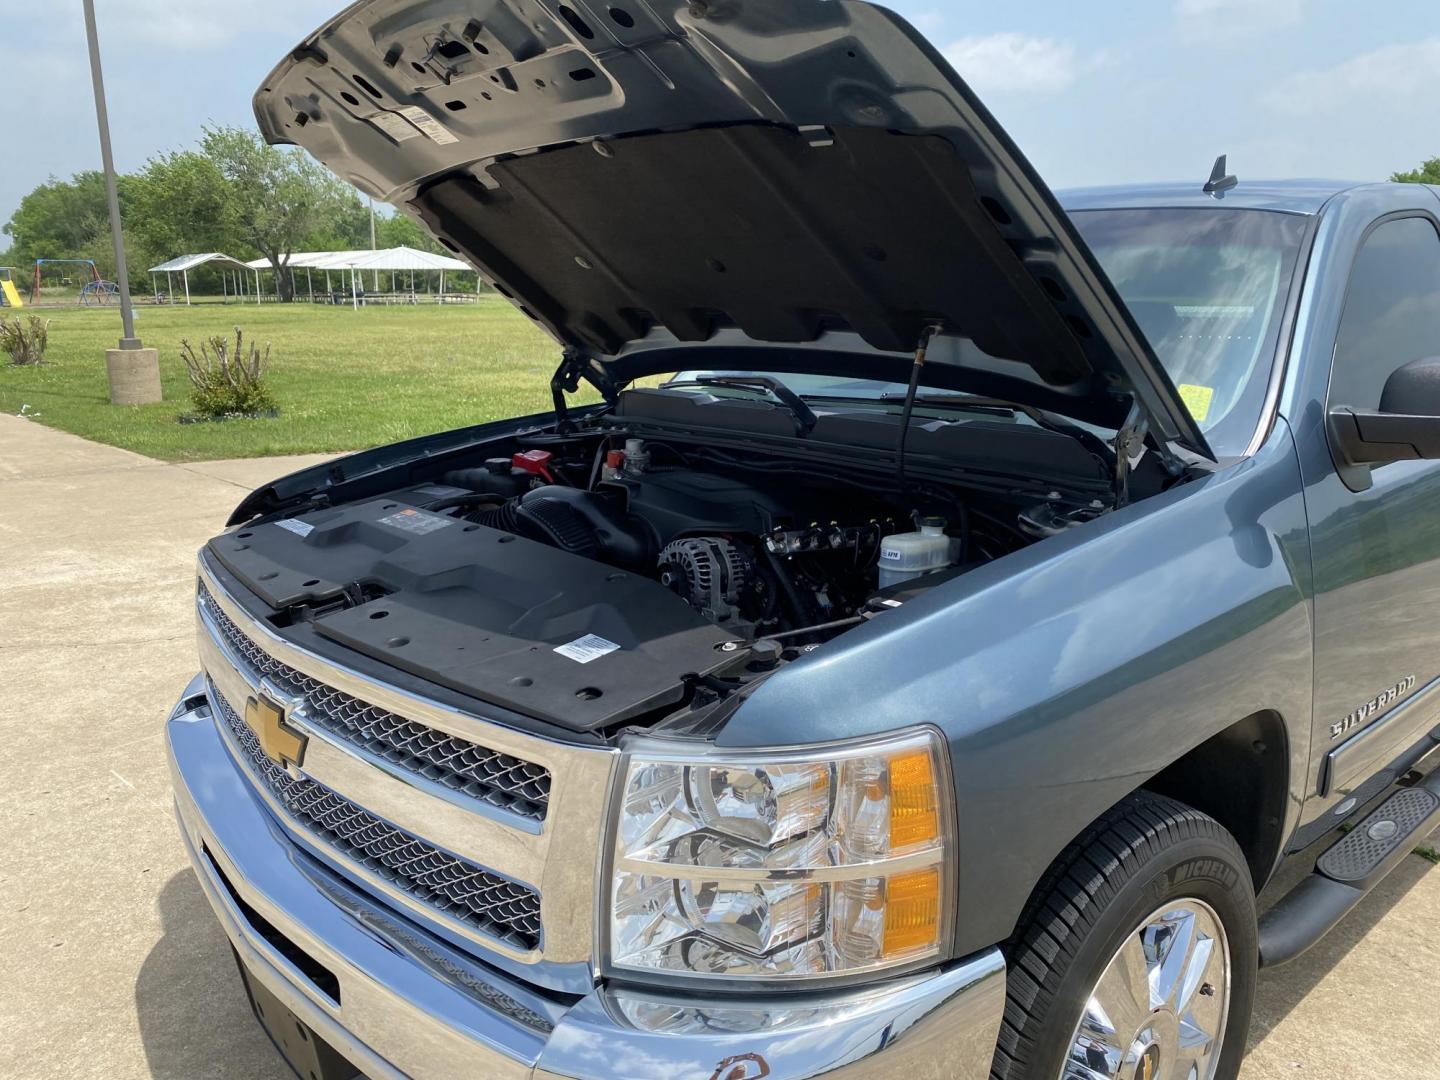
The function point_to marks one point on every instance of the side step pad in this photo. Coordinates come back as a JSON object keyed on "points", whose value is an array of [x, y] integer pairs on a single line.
{"points": [[1354, 865], [1364, 849]]}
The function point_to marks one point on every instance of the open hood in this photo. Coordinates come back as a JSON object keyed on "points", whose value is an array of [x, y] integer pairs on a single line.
{"points": [[781, 171]]}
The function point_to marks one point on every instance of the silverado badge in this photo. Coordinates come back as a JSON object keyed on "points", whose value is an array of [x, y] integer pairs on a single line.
{"points": [[281, 743], [1379, 703]]}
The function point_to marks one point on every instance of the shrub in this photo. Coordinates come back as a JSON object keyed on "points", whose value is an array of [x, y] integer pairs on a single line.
{"points": [[25, 344], [228, 382]]}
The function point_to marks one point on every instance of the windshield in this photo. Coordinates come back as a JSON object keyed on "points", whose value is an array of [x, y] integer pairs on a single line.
{"points": [[1207, 287]]}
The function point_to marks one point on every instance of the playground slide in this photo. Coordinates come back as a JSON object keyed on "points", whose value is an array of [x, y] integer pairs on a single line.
{"points": [[8, 296]]}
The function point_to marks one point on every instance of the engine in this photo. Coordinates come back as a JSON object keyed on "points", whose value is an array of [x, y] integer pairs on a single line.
{"points": [[689, 568], [755, 557]]}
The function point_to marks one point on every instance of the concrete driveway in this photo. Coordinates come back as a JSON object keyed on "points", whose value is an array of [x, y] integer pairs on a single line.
{"points": [[111, 965]]}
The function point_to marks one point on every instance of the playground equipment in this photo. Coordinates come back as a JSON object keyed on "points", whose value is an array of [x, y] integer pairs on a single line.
{"points": [[41, 263], [99, 293], [8, 296]]}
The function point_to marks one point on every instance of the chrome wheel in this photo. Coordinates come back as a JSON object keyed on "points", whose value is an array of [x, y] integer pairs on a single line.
{"points": [[1158, 1011]]}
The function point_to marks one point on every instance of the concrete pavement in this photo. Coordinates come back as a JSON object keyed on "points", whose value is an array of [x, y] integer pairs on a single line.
{"points": [[111, 964], [110, 961]]}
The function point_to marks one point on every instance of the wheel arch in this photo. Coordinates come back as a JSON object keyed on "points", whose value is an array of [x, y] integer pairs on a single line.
{"points": [[1240, 776]]}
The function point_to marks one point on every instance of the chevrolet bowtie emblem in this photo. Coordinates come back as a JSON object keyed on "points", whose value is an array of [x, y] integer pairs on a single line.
{"points": [[280, 742]]}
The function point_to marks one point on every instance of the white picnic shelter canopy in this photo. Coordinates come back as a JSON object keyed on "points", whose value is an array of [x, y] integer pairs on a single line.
{"points": [[398, 260], [183, 264]]}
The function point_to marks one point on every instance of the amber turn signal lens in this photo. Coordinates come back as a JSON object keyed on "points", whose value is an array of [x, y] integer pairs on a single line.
{"points": [[914, 801], [912, 911]]}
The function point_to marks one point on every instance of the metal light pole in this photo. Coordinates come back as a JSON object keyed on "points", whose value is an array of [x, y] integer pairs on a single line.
{"points": [[102, 117], [134, 371], [375, 277]]}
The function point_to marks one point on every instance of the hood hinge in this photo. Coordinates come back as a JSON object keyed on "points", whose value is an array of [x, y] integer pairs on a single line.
{"points": [[1129, 446], [575, 366]]}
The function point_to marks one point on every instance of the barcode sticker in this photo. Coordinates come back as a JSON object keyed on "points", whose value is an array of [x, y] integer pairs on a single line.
{"points": [[299, 528], [394, 125], [584, 649], [428, 124]]}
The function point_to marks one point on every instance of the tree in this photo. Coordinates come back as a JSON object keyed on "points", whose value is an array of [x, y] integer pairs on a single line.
{"points": [[233, 194], [401, 231], [1427, 173], [180, 205], [70, 219], [59, 219], [277, 198], [346, 228]]}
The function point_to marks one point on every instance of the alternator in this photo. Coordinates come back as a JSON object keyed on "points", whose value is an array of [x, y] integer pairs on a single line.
{"points": [[709, 573]]}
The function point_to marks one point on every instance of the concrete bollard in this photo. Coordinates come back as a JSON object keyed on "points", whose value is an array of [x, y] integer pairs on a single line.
{"points": [[134, 376]]}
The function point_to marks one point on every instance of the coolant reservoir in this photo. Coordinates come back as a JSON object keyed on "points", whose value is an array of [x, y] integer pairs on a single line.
{"points": [[906, 556]]}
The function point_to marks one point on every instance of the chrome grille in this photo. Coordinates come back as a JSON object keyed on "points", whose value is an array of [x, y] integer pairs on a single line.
{"points": [[491, 904], [499, 780]]}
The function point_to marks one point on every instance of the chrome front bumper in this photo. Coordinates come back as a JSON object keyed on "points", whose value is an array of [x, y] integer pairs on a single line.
{"points": [[399, 1002]]}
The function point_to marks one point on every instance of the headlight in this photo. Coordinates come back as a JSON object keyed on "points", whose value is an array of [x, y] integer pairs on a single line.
{"points": [[827, 862]]}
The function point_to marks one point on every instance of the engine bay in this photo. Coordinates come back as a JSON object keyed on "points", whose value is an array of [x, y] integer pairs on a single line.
{"points": [[747, 555], [610, 572]]}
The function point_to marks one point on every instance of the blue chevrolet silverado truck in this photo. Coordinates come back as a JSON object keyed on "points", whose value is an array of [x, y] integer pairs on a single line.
{"points": [[930, 614]]}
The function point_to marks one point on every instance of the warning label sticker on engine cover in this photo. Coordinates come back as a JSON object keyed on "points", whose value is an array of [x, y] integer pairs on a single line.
{"points": [[299, 528], [416, 521], [584, 649]]}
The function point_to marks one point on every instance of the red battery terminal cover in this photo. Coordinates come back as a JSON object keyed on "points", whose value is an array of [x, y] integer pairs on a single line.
{"points": [[534, 461]]}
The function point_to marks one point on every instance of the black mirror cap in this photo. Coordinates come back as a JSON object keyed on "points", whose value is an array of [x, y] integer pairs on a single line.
{"points": [[1365, 437], [1406, 427], [1413, 389]]}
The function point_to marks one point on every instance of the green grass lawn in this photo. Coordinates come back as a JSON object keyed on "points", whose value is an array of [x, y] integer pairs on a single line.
{"points": [[344, 379]]}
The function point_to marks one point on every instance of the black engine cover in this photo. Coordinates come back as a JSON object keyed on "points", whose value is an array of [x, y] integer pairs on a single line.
{"points": [[486, 613], [684, 501]]}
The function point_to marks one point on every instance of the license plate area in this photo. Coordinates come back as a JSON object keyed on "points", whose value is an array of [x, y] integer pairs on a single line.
{"points": [[319, 976], [308, 1055]]}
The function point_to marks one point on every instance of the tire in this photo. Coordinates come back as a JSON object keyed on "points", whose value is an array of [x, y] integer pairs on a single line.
{"points": [[1149, 862]]}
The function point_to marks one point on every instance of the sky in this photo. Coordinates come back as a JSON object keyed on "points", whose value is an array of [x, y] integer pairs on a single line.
{"points": [[1103, 92]]}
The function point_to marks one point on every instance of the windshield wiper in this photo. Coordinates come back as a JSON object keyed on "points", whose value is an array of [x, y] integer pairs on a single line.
{"points": [[763, 385], [1049, 421], [992, 406]]}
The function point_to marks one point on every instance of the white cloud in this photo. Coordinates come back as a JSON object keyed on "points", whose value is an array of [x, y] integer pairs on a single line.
{"points": [[1365, 117], [1014, 63], [1387, 82], [1235, 20]]}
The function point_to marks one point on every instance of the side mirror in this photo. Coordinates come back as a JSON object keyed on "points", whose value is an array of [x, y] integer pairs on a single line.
{"points": [[1406, 427]]}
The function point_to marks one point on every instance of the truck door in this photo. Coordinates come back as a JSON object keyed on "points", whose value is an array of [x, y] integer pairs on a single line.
{"points": [[1376, 549]]}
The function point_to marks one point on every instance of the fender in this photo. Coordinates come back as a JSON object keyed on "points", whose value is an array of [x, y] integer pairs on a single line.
{"points": [[1068, 674]]}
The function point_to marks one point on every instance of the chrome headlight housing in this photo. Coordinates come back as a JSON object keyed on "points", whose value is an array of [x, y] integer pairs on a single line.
{"points": [[827, 862]]}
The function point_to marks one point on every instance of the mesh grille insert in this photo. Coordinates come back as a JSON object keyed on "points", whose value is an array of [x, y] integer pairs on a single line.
{"points": [[499, 780], [491, 904]]}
